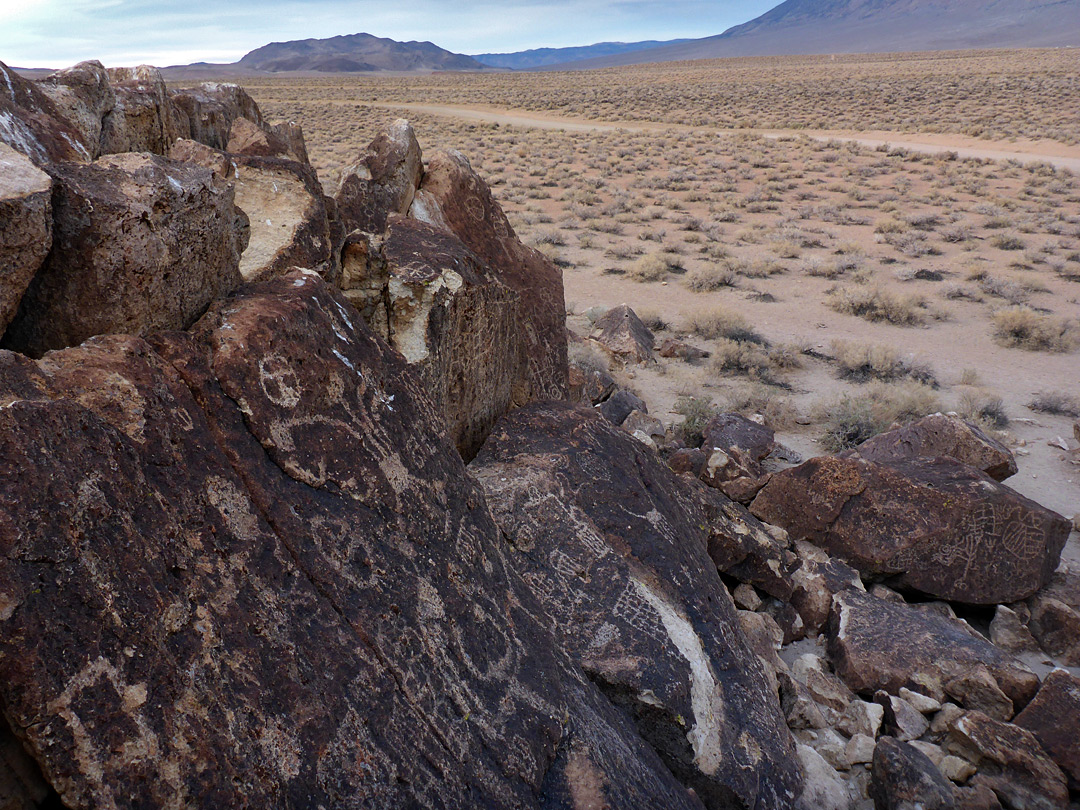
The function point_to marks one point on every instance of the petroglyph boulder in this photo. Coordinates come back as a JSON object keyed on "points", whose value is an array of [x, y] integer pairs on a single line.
{"points": [[32, 123], [621, 332], [25, 227], [140, 243], [933, 525], [880, 644], [247, 569], [381, 182], [940, 435], [614, 546], [453, 197]]}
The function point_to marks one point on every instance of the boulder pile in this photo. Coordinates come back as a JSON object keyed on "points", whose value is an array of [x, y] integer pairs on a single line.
{"points": [[303, 505]]}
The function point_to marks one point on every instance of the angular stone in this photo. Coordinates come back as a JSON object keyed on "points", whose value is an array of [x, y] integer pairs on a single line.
{"points": [[976, 689], [903, 778], [932, 525], [826, 688], [861, 718], [860, 749], [453, 197], [800, 709], [25, 227], [589, 386], [736, 448], [206, 113], [1056, 626], [940, 435], [1010, 762], [247, 569], [823, 788], [382, 181], [32, 123], [85, 97], [603, 531], [684, 351], [249, 139], [1053, 716], [900, 718], [141, 118], [617, 407], [284, 204], [640, 421], [976, 797], [1009, 633], [621, 332], [876, 644], [924, 704], [140, 243], [816, 579], [688, 460]]}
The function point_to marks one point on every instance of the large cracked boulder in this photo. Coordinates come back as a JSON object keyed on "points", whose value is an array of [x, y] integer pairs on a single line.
{"points": [[453, 197], [614, 545], [285, 140], [247, 570], [932, 525], [940, 435], [32, 123], [25, 227], [283, 202], [207, 113], [1054, 718], [139, 243], [381, 182], [85, 96], [877, 644], [142, 118]]}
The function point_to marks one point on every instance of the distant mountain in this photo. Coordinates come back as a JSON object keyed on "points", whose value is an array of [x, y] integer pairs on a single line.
{"points": [[354, 53], [874, 26], [538, 57]]}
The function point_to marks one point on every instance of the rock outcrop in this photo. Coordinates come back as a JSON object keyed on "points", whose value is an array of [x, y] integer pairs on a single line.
{"points": [[140, 243], [142, 118], [381, 182], [932, 525], [25, 227], [31, 123], [735, 448], [613, 544], [85, 96], [206, 113], [248, 570]]}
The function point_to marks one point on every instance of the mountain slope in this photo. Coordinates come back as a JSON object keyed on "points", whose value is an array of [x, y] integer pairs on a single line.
{"points": [[354, 53], [873, 26], [538, 57]]}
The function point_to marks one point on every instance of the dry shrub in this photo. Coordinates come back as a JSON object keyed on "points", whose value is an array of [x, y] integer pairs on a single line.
{"points": [[708, 279], [852, 420], [587, 356], [758, 398], [984, 409], [653, 319], [720, 323], [862, 362], [696, 413], [732, 356], [1056, 403], [650, 267], [1022, 327], [876, 304]]}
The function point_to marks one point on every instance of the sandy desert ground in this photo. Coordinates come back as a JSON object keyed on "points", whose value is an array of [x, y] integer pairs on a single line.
{"points": [[856, 241]]}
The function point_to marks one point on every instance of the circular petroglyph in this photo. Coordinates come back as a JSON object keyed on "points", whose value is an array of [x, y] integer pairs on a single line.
{"points": [[279, 382]]}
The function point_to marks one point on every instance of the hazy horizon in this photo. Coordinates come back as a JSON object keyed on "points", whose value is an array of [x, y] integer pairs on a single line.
{"points": [[57, 33]]}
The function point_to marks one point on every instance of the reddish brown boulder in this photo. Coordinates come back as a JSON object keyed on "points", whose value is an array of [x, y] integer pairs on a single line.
{"points": [[736, 448], [453, 197], [613, 544], [1053, 716], [904, 778], [933, 525], [382, 181], [1056, 626], [32, 123], [940, 435], [621, 332], [247, 570], [684, 351], [85, 97], [1010, 762], [206, 113], [141, 119], [282, 141], [139, 243], [879, 644], [25, 227], [589, 385]]}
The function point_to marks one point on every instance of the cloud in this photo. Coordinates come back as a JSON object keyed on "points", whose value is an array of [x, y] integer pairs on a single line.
{"points": [[54, 33]]}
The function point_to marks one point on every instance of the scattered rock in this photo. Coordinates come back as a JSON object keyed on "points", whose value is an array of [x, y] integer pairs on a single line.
{"points": [[1010, 634], [939, 435], [823, 787], [1056, 626], [826, 688], [746, 597], [900, 718], [590, 386], [932, 525], [25, 227], [816, 579], [382, 181], [1053, 717], [903, 778], [601, 531], [876, 644], [860, 749], [641, 422], [977, 689], [621, 332], [140, 243], [682, 350], [861, 718], [924, 704], [688, 460], [976, 797], [1010, 762], [617, 407]]}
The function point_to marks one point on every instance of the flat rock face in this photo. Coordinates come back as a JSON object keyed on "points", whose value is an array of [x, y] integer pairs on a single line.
{"points": [[902, 777], [1054, 718], [879, 644], [933, 525], [85, 96], [141, 119], [249, 571], [614, 545], [382, 181], [25, 227], [622, 333], [453, 197], [284, 141], [206, 113], [139, 243], [940, 435], [32, 123]]}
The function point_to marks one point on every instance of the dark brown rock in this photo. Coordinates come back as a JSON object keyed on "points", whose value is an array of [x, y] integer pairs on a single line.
{"points": [[382, 181], [976, 689], [25, 227], [689, 460], [639, 422], [815, 580], [877, 644], [141, 118], [1053, 716], [900, 719], [206, 113], [932, 525], [620, 405], [684, 351], [621, 332], [736, 448], [613, 543], [282, 141], [247, 570], [976, 797], [1056, 626], [940, 435], [85, 96], [588, 385], [32, 123], [904, 778], [1010, 762], [453, 197], [139, 243]]}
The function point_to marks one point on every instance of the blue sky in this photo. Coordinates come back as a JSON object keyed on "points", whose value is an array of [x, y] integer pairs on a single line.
{"points": [[56, 33]]}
